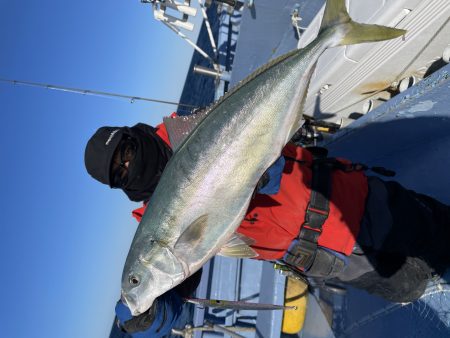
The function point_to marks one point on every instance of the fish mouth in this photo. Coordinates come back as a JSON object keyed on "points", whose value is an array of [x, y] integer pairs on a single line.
{"points": [[132, 303]]}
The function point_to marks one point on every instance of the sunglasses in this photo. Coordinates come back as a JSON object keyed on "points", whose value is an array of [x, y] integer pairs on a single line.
{"points": [[125, 153]]}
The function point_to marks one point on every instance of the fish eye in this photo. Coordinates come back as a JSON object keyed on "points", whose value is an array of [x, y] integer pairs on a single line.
{"points": [[133, 280]]}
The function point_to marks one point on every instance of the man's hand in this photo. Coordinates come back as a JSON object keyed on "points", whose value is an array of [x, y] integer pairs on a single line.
{"points": [[142, 322], [131, 324], [161, 317]]}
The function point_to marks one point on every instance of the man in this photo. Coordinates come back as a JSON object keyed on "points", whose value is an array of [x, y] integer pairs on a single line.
{"points": [[323, 218]]}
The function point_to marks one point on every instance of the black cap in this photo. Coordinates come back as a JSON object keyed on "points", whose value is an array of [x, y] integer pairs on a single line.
{"points": [[100, 150]]}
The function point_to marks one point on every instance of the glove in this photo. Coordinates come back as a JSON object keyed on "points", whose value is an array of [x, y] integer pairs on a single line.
{"points": [[141, 322], [155, 322]]}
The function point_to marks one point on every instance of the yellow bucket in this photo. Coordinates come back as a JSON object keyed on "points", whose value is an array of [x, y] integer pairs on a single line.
{"points": [[296, 294]]}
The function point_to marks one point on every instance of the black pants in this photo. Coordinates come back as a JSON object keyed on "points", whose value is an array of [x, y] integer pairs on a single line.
{"points": [[404, 240]]}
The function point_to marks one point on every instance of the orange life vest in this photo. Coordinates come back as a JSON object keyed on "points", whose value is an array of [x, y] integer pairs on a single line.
{"points": [[274, 221]]}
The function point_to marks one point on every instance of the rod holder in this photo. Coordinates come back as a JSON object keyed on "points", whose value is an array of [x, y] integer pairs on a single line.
{"points": [[217, 74]]}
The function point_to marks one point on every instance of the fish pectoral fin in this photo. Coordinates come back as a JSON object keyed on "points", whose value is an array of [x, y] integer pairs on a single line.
{"points": [[238, 246], [193, 234], [238, 251]]}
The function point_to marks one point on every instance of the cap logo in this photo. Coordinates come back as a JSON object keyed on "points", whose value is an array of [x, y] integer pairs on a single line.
{"points": [[111, 136]]}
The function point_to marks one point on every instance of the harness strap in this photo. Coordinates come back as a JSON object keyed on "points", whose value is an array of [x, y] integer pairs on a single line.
{"points": [[303, 251]]}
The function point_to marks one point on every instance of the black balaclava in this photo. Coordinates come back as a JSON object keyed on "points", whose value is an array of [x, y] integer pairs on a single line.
{"points": [[144, 171]]}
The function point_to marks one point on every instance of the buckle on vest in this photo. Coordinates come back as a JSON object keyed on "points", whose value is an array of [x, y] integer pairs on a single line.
{"points": [[301, 254]]}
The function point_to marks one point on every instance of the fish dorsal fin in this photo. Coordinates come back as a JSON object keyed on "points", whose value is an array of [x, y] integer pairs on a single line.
{"points": [[179, 127], [192, 236], [238, 247]]}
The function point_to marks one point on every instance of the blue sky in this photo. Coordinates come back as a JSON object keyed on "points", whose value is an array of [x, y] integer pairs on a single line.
{"points": [[64, 237]]}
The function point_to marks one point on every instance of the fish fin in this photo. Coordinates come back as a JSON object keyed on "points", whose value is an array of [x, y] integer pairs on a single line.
{"points": [[192, 236], [238, 246], [360, 32], [180, 127], [238, 251], [238, 239], [336, 14]]}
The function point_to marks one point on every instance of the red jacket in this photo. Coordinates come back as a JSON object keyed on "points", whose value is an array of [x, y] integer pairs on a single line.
{"points": [[275, 220]]}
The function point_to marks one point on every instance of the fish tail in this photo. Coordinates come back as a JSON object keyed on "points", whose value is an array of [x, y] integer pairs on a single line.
{"points": [[336, 14]]}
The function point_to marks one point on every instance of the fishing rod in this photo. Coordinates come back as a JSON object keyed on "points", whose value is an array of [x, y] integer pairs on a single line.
{"points": [[93, 92], [237, 305]]}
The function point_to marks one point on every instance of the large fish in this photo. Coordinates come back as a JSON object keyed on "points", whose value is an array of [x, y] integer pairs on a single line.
{"points": [[206, 187]]}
